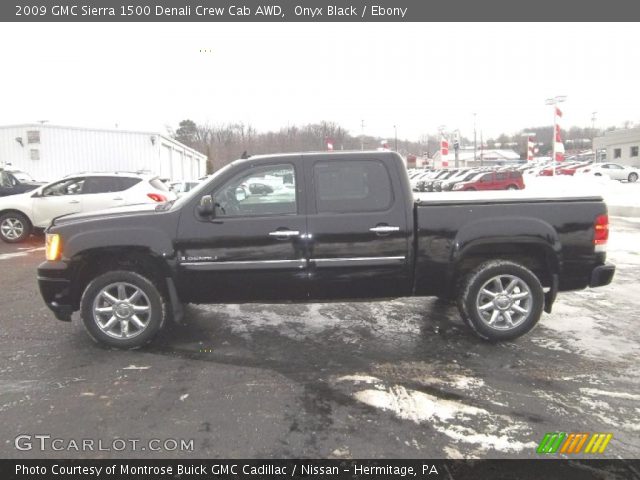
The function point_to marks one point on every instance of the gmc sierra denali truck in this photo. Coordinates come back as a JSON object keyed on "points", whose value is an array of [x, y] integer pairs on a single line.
{"points": [[332, 226]]}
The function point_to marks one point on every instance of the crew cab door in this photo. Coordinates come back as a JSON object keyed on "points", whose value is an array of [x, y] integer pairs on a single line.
{"points": [[253, 248], [359, 229]]}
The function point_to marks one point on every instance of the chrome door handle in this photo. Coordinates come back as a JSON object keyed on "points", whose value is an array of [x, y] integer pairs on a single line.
{"points": [[74, 201], [118, 198], [384, 229], [284, 233]]}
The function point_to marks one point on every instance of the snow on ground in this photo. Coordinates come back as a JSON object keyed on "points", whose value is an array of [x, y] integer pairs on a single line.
{"points": [[455, 419]]}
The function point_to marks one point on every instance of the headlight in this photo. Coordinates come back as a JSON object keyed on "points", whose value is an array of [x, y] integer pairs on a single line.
{"points": [[458, 186], [54, 247]]}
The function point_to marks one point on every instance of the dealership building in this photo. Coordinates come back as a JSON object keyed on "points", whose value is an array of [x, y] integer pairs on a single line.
{"points": [[619, 146], [48, 152]]}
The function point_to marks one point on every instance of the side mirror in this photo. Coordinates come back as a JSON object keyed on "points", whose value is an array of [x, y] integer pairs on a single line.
{"points": [[241, 194], [207, 208]]}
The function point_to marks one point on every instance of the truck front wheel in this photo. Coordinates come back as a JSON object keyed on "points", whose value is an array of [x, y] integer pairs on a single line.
{"points": [[501, 300], [122, 309]]}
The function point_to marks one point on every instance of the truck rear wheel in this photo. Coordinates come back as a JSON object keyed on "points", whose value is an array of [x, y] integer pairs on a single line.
{"points": [[122, 309], [501, 300]]}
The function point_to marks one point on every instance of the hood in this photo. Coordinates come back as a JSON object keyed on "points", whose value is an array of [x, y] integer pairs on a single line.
{"points": [[7, 201], [130, 210]]}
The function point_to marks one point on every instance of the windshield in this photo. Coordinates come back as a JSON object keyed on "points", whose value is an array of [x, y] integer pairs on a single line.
{"points": [[23, 177], [199, 188]]}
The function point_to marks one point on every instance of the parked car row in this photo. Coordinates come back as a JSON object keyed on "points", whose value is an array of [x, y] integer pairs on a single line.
{"points": [[511, 177], [614, 171], [467, 179], [21, 213]]}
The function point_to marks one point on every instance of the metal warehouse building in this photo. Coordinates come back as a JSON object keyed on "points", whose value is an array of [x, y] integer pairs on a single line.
{"points": [[48, 152], [621, 146]]}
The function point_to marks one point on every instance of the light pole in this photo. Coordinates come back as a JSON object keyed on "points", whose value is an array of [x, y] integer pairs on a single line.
{"points": [[593, 134], [395, 133], [553, 102], [475, 158]]}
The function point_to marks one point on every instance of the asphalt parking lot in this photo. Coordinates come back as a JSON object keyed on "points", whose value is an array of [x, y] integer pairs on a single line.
{"points": [[396, 379]]}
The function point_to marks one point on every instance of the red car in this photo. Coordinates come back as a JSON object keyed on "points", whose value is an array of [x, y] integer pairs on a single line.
{"points": [[561, 168], [506, 180], [571, 169]]}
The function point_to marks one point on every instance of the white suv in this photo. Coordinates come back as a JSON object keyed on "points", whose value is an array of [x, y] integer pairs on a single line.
{"points": [[20, 214]]}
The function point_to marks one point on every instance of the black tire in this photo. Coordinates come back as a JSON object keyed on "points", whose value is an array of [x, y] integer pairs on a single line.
{"points": [[508, 323], [633, 177], [15, 227], [123, 312]]}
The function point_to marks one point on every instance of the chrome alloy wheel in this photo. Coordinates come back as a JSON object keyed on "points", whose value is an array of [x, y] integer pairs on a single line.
{"points": [[504, 302], [121, 310], [12, 228]]}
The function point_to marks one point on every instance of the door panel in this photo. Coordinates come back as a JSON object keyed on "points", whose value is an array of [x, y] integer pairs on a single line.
{"points": [[61, 198], [254, 249], [359, 231]]}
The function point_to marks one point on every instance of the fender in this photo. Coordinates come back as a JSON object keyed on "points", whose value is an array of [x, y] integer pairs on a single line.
{"points": [[157, 240], [508, 230]]}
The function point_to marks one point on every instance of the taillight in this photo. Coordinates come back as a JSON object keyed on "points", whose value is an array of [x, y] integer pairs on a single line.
{"points": [[601, 227], [157, 197]]}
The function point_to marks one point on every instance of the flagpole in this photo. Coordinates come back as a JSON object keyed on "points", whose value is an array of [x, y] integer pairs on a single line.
{"points": [[553, 141], [553, 102]]}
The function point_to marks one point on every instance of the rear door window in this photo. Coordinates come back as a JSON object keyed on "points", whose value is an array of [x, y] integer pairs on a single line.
{"points": [[352, 186], [103, 185]]}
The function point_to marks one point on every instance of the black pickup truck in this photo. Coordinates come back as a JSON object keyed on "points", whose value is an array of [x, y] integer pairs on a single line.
{"points": [[332, 226]]}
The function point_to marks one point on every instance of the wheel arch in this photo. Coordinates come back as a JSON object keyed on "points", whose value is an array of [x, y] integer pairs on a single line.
{"points": [[530, 242], [17, 210], [93, 262]]}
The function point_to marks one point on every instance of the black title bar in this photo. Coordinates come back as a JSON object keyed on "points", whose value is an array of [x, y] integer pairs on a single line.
{"points": [[315, 11]]}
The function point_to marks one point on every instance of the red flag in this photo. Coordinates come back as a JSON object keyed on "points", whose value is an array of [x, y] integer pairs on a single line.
{"points": [[444, 147], [558, 112], [558, 138], [530, 148]]}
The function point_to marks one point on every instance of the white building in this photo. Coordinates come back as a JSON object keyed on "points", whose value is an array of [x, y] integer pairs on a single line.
{"points": [[619, 146], [48, 152]]}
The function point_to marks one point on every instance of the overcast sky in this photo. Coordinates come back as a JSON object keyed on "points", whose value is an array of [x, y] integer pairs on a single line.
{"points": [[415, 75]]}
